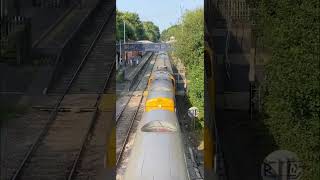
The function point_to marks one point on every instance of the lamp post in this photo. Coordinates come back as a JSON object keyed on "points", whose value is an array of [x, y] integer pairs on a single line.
{"points": [[120, 58], [124, 32], [124, 40]]}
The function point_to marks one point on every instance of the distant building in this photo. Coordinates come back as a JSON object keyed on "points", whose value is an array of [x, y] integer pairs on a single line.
{"points": [[133, 54], [144, 41], [171, 40]]}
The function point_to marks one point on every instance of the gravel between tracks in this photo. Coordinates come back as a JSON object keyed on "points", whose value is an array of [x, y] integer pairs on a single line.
{"points": [[122, 126]]}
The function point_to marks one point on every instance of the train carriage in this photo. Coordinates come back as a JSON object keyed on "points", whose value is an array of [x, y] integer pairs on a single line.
{"points": [[158, 151], [161, 94], [161, 86]]}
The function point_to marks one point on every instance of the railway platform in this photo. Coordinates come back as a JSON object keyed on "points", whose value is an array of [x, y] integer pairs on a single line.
{"points": [[42, 19], [123, 95], [66, 25], [130, 74], [132, 71]]}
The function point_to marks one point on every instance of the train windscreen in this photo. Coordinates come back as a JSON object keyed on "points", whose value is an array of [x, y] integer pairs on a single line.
{"points": [[159, 126]]}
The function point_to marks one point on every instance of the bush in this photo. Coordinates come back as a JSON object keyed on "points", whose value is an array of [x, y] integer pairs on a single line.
{"points": [[189, 47], [290, 29], [120, 76]]}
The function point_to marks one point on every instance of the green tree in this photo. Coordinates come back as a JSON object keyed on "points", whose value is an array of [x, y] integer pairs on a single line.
{"points": [[167, 33], [130, 30], [290, 30], [135, 28], [151, 31], [189, 47], [132, 19]]}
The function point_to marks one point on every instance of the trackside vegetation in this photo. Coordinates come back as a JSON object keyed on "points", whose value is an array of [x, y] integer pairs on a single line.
{"points": [[189, 48], [135, 28], [290, 31]]}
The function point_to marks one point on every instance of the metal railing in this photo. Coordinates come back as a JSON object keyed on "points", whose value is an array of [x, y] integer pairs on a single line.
{"points": [[51, 3], [9, 24], [226, 59], [138, 46], [15, 34], [232, 11], [236, 10]]}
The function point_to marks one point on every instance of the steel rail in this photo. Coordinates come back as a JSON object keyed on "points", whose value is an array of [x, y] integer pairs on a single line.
{"points": [[56, 108], [95, 115], [131, 94], [91, 126], [54, 25], [132, 121], [128, 132], [59, 56]]}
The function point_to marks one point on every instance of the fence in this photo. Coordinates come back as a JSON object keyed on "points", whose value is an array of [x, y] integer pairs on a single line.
{"points": [[12, 24], [234, 10], [15, 36], [154, 47], [51, 3]]}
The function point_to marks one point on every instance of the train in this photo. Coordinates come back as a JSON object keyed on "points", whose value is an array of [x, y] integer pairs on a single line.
{"points": [[158, 150], [214, 167], [210, 137], [161, 87]]}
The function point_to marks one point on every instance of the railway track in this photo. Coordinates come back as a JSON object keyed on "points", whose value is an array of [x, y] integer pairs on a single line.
{"points": [[131, 113], [81, 47], [58, 22], [133, 85], [19, 136], [57, 151], [94, 148]]}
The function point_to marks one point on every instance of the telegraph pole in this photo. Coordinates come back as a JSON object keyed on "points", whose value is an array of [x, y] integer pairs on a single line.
{"points": [[181, 15], [124, 39], [120, 58], [124, 32]]}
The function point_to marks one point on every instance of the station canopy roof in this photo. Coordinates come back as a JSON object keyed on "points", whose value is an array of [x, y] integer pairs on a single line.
{"points": [[144, 41]]}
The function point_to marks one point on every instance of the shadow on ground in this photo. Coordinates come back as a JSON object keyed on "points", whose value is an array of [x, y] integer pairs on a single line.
{"points": [[244, 141]]}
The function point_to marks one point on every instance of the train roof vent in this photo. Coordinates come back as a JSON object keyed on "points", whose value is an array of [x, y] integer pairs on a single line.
{"points": [[157, 88], [162, 67], [159, 126]]}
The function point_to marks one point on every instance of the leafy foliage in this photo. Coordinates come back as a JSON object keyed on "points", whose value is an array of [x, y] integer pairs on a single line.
{"points": [[189, 47], [167, 33], [135, 28], [290, 30], [151, 31]]}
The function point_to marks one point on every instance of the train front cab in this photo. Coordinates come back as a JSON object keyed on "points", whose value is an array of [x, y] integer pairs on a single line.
{"points": [[160, 103], [170, 76], [210, 146], [161, 100], [158, 151], [161, 95]]}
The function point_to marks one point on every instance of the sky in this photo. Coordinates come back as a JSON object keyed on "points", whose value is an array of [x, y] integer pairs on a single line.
{"points": [[164, 13]]}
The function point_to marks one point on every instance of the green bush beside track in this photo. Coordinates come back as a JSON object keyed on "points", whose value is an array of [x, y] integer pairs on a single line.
{"points": [[290, 31], [189, 47]]}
